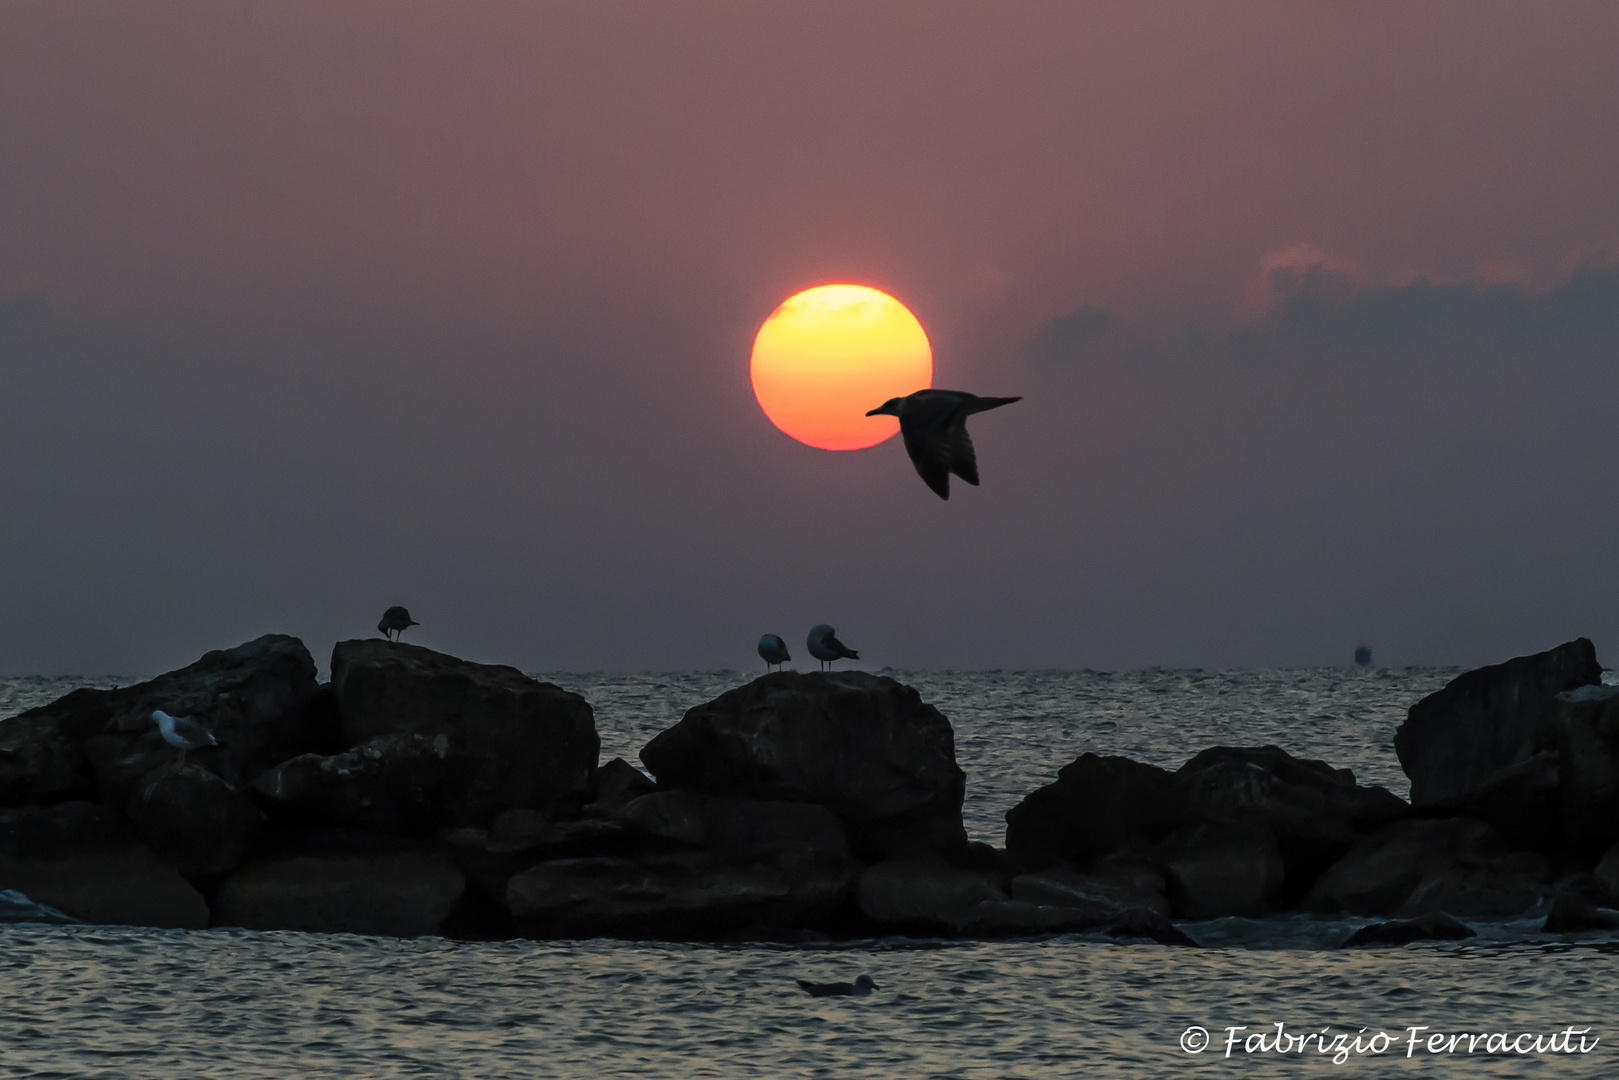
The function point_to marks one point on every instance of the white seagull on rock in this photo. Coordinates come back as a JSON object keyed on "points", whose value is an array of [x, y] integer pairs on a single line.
{"points": [[824, 645], [183, 733], [934, 425], [773, 650]]}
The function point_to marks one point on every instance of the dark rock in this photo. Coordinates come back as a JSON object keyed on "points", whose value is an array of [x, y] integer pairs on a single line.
{"points": [[260, 700], [40, 762], [1586, 727], [80, 858], [1606, 873], [194, 818], [1436, 926], [1416, 867], [512, 741], [1106, 895], [17, 908], [615, 784], [1142, 923], [1216, 869], [390, 892], [688, 896], [1096, 806], [736, 827], [1571, 915], [390, 784], [1484, 744], [515, 842], [926, 896], [864, 746]]}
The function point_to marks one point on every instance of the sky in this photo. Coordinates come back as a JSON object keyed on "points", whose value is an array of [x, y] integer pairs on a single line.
{"points": [[307, 309]]}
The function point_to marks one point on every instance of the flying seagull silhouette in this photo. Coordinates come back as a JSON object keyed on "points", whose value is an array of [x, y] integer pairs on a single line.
{"points": [[183, 733], [394, 621], [934, 424], [824, 645], [773, 650], [859, 988]]}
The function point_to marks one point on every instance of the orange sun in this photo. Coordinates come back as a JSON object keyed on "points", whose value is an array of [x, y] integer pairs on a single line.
{"points": [[832, 352]]}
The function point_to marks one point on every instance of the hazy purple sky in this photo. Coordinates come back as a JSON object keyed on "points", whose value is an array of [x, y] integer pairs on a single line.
{"points": [[310, 309]]}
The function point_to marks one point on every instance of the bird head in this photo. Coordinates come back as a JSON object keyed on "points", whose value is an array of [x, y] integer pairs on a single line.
{"points": [[887, 408], [865, 980]]}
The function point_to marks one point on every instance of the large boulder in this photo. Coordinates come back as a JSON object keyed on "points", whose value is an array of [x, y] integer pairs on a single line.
{"points": [[696, 895], [79, 858], [1096, 806], [926, 896], [260, 700], [1411, 868], [1107, 893], [1434, 926], [1485, 745], [736, 827], [1586, 733], [343, 888], [390, 784], [864, 746], [1307, 812], [40, 762], [192, 817], [512, 741], [1216, 869]]}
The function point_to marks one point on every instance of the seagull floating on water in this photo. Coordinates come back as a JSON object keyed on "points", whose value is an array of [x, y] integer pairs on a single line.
{"points": [[183, 733], [773, 650], [824, 645], [859, 988], [934, 424], [394, 621]]}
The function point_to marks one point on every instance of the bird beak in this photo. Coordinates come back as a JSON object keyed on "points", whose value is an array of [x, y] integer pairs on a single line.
{"points": [[881, 410]]}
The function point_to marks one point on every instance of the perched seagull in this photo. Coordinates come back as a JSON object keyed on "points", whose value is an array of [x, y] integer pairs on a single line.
{"points": [[773, 650], [859, 988], [183, 733], [394, 621], [824, 645], [934, 423]]}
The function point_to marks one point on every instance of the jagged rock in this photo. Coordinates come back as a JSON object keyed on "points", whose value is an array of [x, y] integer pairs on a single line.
{"points": [[1097, 805], [17, 908], [1415, 867], [1570, 914], [929, 896], [259, 699], [614, 785], [512, 741], [1485, 745], [1586, 726], [79, 858], [1106, 895], [40, 762], [1310, 811], [1216, 869], [864, 746], [737, 827], [694, 895], [398, 893], [390, 784], [1606, 872], [1436, 926], [194, 818]]}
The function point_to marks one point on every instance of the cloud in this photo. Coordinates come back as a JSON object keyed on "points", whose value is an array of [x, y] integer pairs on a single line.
{"points": [[1069, 338]]}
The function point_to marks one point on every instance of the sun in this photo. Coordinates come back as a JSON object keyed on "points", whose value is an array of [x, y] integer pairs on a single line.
{"points": [[830, 353]]}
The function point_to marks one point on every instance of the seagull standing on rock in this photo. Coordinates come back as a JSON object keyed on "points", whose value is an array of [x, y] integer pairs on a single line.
{"points": [[183, 733], [824, 645], [934, 424], [773, 650], [394, 621]]}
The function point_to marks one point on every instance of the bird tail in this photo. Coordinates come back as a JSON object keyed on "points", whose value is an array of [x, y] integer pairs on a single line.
{"points": [[851, 654], [806, 984], [984, 404]]}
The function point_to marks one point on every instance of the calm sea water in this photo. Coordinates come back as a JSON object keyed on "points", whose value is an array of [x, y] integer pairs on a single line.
{"points": [[117, 1002]]}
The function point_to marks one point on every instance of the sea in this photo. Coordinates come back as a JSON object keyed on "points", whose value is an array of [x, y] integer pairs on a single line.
{"points": [[1261, 998]]}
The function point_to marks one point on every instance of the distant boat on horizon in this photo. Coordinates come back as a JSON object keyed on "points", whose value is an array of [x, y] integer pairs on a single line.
{"points": [[1363, 657]]}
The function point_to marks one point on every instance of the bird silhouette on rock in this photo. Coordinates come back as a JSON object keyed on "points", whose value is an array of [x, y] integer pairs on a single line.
{"points": [[394, 621], [934, 426], [773, 650], [824, 645]]}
